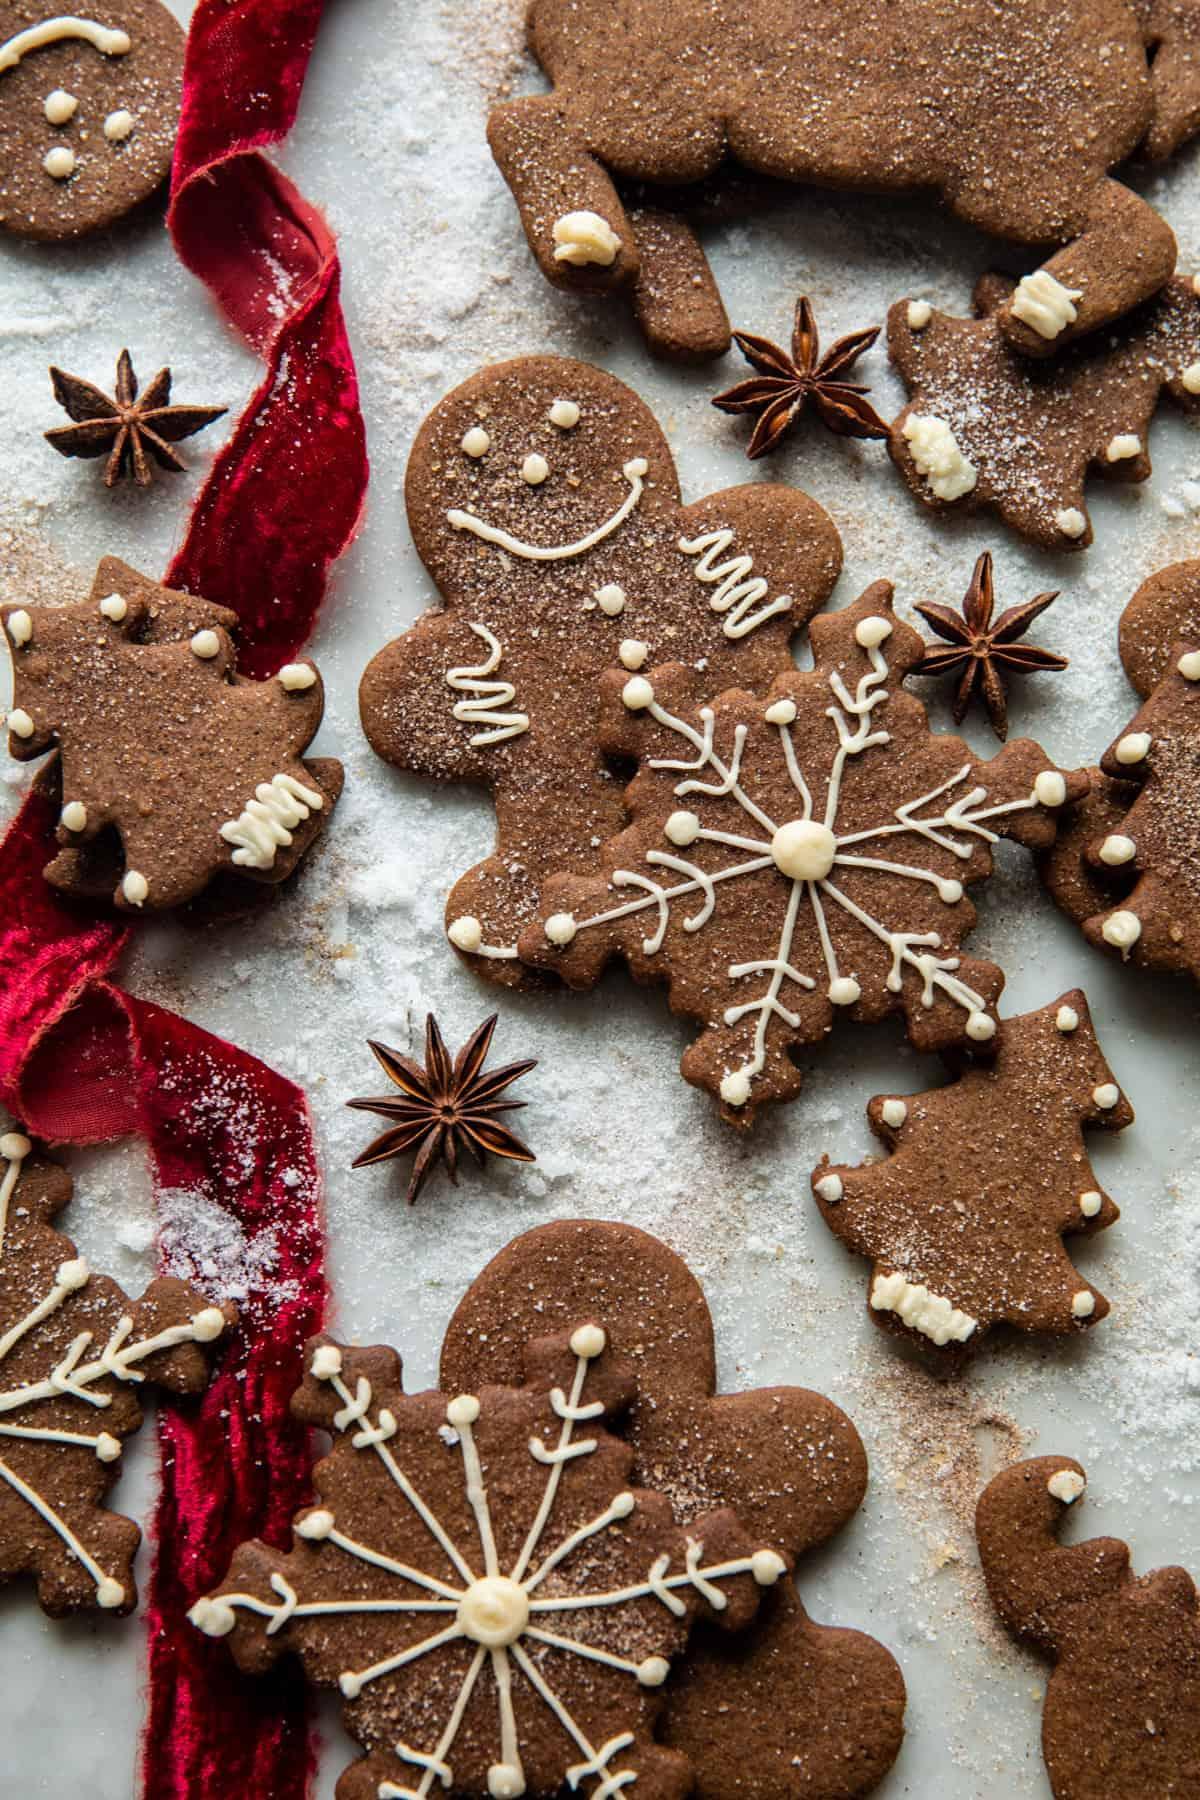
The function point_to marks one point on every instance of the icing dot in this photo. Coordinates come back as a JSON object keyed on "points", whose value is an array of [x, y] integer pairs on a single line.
{"points": [[637, 693], [20, 723], [109, 1593], [316, 1526], [1106, 1095], [844, 991], [950, 891], [980, 1027], [589, 1341], [1117, 849], [534, 469], [465, 933], [463, 1410], [326, 1362], [919, 314], [683, 828], [1134, 747], [564, 414], [213, 1618], [1090, 1203], [59, 106], [872, 631], [1121, 929], [206, 645], [1083, 1304], [350, 1684], [135, 887], [505, 1782], [1191, 378], [294, 678], [735, 1088], [1122, 447], [72, 1275], [780, 712], [894, 1112], [622, 1506], [20, 627], [118, 126], [1189, 665], [108, 1448], [654, 1671], [476, 441], [830, 1188], [635, 468], [560, 928], [60, 163], [633, 653], [1070, 521], [1050, 789], [766, 1567], [1066, 1485], [585, 237], [1067, 1019], [15, 1146], [208, 1324], [114, 607], [805, 850], [610, 599]]}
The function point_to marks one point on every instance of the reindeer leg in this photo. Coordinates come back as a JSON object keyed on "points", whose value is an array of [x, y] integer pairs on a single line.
{"points": [[676, 301], [1124, 254], [553, 174]]}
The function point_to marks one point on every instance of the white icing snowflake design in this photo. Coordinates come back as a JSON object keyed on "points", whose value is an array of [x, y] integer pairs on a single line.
{"points": [[523, 1618], [830, 846]]}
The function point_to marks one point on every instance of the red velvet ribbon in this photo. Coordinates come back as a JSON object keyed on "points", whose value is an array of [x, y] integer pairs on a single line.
{"points": [[81, 1061]]}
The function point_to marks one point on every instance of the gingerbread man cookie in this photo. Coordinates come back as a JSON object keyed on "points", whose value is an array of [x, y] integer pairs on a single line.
{"points": [[797, 854], [544, 502], [88, 112], [1122, 1710], [1011, 115], [964, 1220], [984, 428], [75, 1353], [173, 769]]}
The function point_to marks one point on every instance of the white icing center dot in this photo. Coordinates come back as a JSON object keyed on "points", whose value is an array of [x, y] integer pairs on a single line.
{"points": [[633, 653], [1189, 665], [1070, 521], [610, 599], [59, 163], [894, 1112], [505, 1781], [135, 887], [683, 828], [59, 106], [919, 314], [1066, 1485], [560, 928], [844, 991], [1117, 849], [206, 645], [1122, 929], [534, 469], [780, 712], [1050, 789], [294, 678], [980, 1027], [465, 933], [20, 723], [494, 1611], [637, 693], [872, 631], [804, 849], [1083, 1304], [585, 237], [74, 815], [114, 607], [476, 441], [735, 1088], [1122, 447], [1191, 378], [1106, 1095], [1090, 1203], [1134, 747], [1067, 1019], [20, 627], [118, 126], [831, 1189], [589, 1341], [564, 414]]}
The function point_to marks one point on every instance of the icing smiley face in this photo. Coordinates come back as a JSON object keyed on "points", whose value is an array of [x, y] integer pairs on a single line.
{"points": [[89, 106]]}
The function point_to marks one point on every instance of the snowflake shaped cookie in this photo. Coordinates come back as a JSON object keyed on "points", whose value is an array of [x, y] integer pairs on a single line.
{"points": [[800, 856], [74, 1352], [496, 1603]]}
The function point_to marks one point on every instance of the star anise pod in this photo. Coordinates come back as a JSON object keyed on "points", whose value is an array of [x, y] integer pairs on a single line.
{"points": [[445, 1106], [779, 393], [981, 649], [130, 427]]}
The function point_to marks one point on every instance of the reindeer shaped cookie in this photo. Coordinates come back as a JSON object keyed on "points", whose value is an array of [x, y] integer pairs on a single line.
{"points": [[1012, 115], [545, 504], [1122, 1713], [173, 768]]}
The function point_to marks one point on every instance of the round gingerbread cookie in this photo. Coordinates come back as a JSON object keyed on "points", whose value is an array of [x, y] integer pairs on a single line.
{"points": [[89, 107]]}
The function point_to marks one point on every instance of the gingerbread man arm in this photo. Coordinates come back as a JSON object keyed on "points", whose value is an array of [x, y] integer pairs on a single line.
{"points": [[1171, 30]]}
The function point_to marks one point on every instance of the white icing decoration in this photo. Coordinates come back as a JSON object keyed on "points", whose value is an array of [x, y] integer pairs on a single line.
{"points": [[503, 1612], [937, 457], [610, 599], [295, 678], [20, 723], [534, 469], [633, 653], [1070, 521], [119, 125], [919, 314], [1117, 849], [1067, 1019], [1066, 1485], [1122, 929], [564, 414], [1190, 378], [14, 1148], [59, 106], [1106, 1095], [114, 607], [267, 821], [476, 441], [808, 851], [74, 815], [634, 472], [560, 928], [831, 1189], [466, 933], [1083, 1304], [737, 588], [931, 1314], [59, 163], [206, 644], [487, 696], [135, 887], [1134, 747], [1188, 665], [780, 712], [1090, 1203], [894, 1112], [1044, 303], [585, 237], [1120, 448], [1050, 788], [54, 31], [20, 627]]}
